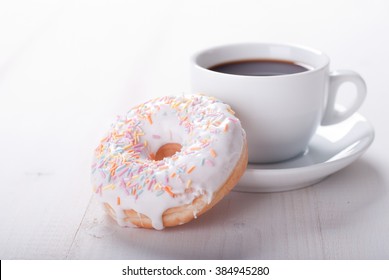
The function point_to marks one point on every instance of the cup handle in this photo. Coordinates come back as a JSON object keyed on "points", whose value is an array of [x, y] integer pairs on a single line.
{"points": [[333, 115]]}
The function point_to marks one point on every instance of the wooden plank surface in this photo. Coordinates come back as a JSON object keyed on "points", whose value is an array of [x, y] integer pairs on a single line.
{"points": [[326, 221]]}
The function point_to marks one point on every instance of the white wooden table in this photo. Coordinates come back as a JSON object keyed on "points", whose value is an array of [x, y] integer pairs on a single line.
{"points": [[68, 68]]}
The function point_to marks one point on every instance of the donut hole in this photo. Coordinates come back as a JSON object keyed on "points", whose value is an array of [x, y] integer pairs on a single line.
{"points": [[167, 150]]}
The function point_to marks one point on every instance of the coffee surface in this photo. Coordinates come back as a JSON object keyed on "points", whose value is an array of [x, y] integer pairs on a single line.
{"points": [[259, 67]]}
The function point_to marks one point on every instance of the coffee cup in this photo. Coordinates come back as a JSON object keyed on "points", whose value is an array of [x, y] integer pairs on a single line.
{"points": [[281, 93]]}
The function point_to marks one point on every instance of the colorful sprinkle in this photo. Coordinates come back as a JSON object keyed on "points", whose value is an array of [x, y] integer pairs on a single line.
{"points": [[232, 112], [190, 170], [122, 172], [149, 119], [109, 187], [159, 193], [210, 162], [168, 189]]}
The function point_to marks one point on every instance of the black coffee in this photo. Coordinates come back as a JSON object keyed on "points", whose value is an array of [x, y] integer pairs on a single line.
{"points": [[259, 67]]}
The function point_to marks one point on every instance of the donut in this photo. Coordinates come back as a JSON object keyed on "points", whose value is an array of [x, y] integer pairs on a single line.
{"points": [[168, 161]]}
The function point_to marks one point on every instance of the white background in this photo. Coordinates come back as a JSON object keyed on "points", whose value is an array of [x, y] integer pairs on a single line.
{"points": [[67, 68]]}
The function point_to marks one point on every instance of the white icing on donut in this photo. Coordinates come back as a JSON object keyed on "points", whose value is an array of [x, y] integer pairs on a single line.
{"points": [[125, 176]]}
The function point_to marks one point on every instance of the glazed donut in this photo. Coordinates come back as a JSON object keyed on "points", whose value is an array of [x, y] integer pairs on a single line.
{"points": [[169, 160]]}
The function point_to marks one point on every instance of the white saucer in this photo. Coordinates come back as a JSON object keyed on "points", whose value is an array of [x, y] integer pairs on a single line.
{"points": [[331, 149]]}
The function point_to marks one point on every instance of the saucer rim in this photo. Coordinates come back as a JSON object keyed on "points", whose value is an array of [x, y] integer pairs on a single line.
{"points": [[331, 167]]}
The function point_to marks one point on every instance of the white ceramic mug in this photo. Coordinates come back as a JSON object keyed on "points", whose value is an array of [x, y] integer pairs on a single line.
{"points": [[279, 113]]}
